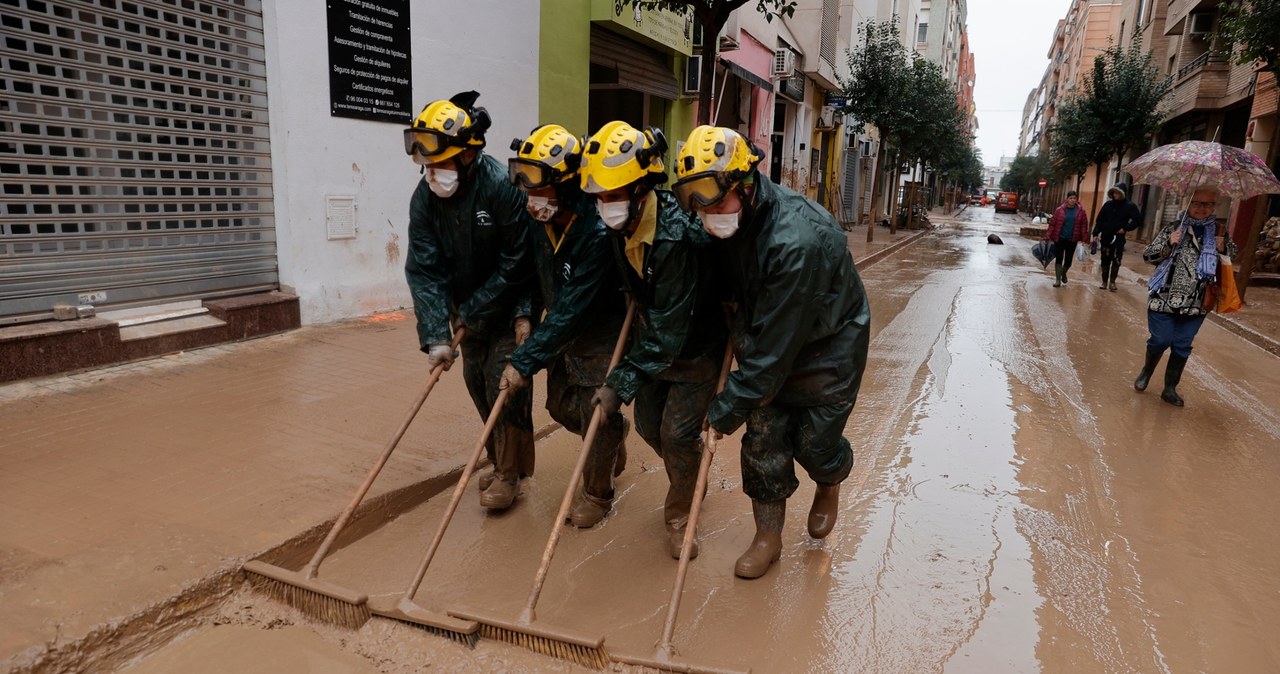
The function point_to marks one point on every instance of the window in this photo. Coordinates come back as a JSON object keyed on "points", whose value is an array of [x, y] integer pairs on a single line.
{"points": [[922, 33]]}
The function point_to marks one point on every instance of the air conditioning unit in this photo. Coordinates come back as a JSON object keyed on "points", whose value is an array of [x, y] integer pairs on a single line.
{"points": [[692, 82], [867, 148], [784, 62], [1200, 24], [826, 119]]}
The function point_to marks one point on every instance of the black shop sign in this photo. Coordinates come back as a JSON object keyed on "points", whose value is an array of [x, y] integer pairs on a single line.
{"points": [[369, 60]]}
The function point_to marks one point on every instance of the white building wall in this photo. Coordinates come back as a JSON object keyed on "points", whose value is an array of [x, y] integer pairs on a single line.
{"points": [[491, 47]]}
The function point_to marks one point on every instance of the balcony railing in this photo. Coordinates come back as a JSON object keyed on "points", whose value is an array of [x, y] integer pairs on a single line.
{"points": [[1199, 62]]}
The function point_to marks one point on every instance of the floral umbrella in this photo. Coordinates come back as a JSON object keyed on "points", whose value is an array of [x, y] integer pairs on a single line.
{"points": [[1181, 167]]}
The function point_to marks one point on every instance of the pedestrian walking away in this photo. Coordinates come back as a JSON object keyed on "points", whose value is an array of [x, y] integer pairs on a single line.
{"points": [[468, 268], [1185, 253], [1116, 217], [800, 333], [579, 288], [1068, 227], [663, 258]]}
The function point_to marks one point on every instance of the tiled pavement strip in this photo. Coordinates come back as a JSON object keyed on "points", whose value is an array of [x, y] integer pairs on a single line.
{"points": [[126, 487], [122, 488]]}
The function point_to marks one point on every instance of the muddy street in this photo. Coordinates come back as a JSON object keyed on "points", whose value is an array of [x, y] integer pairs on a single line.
{"points": [[1015, 506]]}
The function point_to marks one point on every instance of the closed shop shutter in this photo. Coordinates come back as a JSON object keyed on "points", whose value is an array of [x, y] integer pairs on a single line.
{"points": [[849, 186], [639, 68], [134, 153]]}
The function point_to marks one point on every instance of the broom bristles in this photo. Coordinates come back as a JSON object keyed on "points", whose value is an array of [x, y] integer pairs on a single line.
{"points": [[595, 658], [467, 639], [319, 606]]}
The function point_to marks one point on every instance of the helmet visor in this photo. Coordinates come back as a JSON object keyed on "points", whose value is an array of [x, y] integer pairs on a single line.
{"points": [[699, 191], [529, 174], [422, 144]]}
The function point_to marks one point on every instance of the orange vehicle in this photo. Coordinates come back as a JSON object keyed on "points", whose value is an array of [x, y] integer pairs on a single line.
{"points": [[1007, 201]]}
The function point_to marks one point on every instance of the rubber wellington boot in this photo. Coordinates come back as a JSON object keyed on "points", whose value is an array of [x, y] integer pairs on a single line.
{"points": [[1115, 271], [1148, 367], [1057, 274], [1173, 375], [621, 463], [675, 540], [766, 547], [500, 494], [826, 506], [589, 510]]}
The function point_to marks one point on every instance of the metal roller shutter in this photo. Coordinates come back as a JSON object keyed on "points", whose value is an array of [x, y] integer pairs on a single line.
{"points": [[134, 153], [639, 68]]}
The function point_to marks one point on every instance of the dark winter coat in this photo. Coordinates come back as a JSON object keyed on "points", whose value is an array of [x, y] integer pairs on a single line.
{"points": [[1081, 231], [468, 254], [579, 287], [1116, 217], [802, 325], [680, 328]]}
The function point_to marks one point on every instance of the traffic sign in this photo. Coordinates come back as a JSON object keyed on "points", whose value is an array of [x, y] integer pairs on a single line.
{"points": [[1043, 182]]}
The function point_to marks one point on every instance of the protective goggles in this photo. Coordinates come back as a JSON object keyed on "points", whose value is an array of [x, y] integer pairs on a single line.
{"points": [[702, 189], [531, 174], [421, 144]]}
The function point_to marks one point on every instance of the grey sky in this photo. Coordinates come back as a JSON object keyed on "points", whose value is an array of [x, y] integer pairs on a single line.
{"points": [[1009, 41]]}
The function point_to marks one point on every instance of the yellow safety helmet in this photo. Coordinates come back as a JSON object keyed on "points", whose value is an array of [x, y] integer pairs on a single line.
{"points": [[446, 127], [620, 154], [550, 155], [713, 160]]}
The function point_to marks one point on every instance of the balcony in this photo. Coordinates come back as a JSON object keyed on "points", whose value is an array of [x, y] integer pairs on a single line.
{"points": [[1201, 84], [1179, 10]]}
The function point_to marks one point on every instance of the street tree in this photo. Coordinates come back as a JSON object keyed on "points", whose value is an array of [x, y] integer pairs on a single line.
{"points": [[932, 124], [712, 14], [1248, 28], [1073, 141], [877, 84], [1123, 99]]}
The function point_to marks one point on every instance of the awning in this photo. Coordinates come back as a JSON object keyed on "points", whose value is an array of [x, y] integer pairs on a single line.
{"points": [[746, 74]]}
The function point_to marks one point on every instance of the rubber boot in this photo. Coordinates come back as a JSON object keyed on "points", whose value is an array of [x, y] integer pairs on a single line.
{"points": [[1173, 375], [766, 547], [1148, 367], [675, 539], [589, 510], [1106, 271], [1057, 274], [1115, 271], [825, 508]]}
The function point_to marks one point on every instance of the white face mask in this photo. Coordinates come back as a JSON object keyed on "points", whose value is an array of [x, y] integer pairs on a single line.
{"points": [[614, 213], [720, 225], [542, 208], [443, 182]]}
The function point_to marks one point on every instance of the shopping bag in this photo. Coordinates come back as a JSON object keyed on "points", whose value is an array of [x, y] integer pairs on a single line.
{"points": [[1229, 300], [1081, 254]]}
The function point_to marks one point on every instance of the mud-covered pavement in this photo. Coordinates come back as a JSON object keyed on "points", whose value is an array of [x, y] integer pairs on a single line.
{"points": [[1015, 506]]}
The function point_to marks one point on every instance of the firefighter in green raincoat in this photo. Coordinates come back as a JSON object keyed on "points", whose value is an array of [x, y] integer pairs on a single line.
{"points": [[800, 333], [679, 337], [468, 263], [581, 293]]}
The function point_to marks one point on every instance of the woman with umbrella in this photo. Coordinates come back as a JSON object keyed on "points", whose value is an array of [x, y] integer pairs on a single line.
{"points": [[1186, 251]]}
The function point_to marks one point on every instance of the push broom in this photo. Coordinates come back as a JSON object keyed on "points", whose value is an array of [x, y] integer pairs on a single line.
{"points": [[403, 608], [318, 598], [525, 631], [663, 659]]}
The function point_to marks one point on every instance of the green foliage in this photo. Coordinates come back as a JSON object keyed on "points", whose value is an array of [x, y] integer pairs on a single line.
{"points": [[879, 78], [1073, 141], [1249, 28], [1025, 173], [1124, 95]]}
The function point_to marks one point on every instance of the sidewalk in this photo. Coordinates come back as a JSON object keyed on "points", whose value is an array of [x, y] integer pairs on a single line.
{"points": [[1257, 322], [131, 495]]}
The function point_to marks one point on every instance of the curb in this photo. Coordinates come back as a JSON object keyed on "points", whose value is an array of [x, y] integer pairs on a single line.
{"points": [[870, 259]]}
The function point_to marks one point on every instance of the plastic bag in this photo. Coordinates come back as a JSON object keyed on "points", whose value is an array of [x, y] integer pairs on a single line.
{"points": [[1229, 299], [1093, 248], [1081, 254]]}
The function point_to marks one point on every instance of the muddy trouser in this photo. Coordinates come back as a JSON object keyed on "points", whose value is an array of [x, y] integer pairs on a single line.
{"points": [[510, 446], [777, 435], [1111, 256], [669, 417], [571, 382]]}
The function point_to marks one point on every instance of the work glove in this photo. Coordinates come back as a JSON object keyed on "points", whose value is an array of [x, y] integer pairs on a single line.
{"points": [[441, 354], [512, 379], [522, 329], [607, 399]]}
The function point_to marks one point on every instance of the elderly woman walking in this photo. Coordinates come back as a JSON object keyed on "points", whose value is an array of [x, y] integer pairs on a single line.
{"points": [[1185, 253]]}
